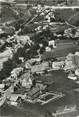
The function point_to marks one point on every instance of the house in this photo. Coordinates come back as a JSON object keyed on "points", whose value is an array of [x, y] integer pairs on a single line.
{"points": [[16, 72], [13, 99], [76, 59], [26, 80], [2, 86], [58, 65], [40, 67], [4, 56]]}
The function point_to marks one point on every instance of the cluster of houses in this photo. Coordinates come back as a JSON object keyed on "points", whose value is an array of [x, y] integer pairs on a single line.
{"points": [[26, 61]]}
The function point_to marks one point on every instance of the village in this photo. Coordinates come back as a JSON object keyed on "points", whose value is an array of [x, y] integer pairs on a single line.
{"points": [[39, 57]]}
